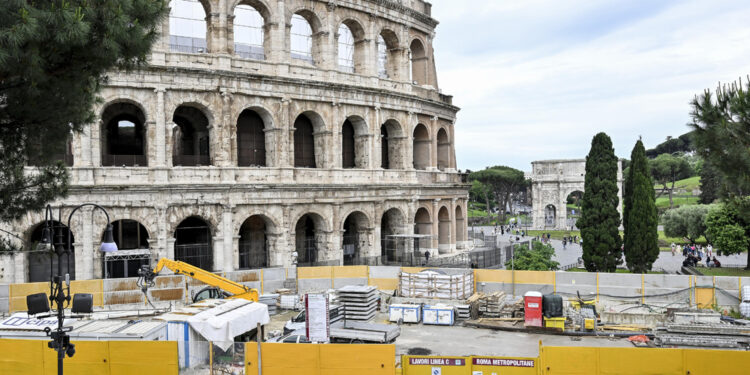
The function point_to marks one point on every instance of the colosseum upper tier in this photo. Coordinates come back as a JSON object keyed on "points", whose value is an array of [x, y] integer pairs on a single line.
{"points": [[263, 133]]}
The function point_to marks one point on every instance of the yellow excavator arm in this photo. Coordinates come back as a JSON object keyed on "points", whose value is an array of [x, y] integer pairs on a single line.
{"points": [[234, 289]]}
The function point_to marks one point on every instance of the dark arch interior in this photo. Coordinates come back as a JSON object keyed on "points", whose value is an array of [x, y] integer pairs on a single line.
{"points": [[304, 143], [41, 261], [193, 243], [251, 140], [253, 243]]}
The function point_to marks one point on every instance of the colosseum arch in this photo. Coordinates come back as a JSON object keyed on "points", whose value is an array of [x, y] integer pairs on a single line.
{"points": [[443, 150], [191, 135], [123, 134], [418, 62], [355, 237], [188, 26], [41, 261], [306, 37], [355, 145], [249, 29], [309, 141], [389, 54], [421, 147], [254, 244], [351, 46], [552, 182]]}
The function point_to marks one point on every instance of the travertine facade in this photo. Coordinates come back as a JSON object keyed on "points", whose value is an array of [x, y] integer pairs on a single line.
{"points": [[552, 182], [337, 159]]}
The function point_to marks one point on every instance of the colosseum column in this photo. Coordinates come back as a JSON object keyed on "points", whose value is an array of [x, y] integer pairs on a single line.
{"points": [[229, 253], [433, 144]]}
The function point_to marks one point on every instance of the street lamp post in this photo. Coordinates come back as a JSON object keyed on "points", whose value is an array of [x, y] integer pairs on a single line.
{"points": [[60, 284]]}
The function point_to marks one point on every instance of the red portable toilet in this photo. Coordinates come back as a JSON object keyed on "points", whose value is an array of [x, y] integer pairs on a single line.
{"points": [[532, 309]]}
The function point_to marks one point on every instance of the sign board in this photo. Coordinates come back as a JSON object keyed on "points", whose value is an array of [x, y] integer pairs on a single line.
{"points": [[317, 324]]}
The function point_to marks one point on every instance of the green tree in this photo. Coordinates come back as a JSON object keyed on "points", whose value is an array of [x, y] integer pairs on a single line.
{"points": [[504, 182], [728, 227], [722, 135], [686, 222], [600, 221], [54, 56], [539, 258], [639, 214], [668, 168]]}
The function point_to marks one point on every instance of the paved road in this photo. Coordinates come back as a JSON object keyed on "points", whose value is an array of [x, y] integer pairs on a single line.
{"points": [[666, 262]]}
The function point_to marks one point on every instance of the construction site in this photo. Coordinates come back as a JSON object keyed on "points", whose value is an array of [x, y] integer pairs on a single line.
{"points": [[177, 318]]}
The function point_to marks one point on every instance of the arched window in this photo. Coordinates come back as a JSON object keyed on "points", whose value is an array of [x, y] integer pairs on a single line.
{"points": [[304, 143], [346, 49], [190, 138], [444, 150], [251, 141], [249, 35], [347, 145], [187, 26], [123, 136], [418, 59], [301, 39], [382, 58]]}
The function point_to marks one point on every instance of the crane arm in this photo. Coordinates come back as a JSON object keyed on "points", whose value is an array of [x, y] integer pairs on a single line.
{"points": [[235, 289]]}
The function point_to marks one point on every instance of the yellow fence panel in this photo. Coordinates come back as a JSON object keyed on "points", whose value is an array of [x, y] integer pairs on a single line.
{"points": [[716, 362], [493, 276], [481, 365], [22, 357], [639, 361], [535, 277], [347, 359], [314, 272], [143, 357], [350, 272], [429, 365]]}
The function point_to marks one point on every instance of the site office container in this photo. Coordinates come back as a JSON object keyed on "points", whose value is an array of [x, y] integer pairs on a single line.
{"points": [[532, 307]]}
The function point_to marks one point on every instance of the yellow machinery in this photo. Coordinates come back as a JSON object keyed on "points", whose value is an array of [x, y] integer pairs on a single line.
{"points": [[218, 287]]}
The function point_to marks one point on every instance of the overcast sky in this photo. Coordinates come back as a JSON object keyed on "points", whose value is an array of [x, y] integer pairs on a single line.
{"points": [[536, 79]]}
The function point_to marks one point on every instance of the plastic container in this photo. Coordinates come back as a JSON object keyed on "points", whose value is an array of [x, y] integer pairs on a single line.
{"points": [[746, 293], [552, 306], [745, 309], [532, 309]]}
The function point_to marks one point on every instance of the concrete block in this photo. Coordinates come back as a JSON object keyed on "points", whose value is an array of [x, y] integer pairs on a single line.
{"points": [[384, 272], [338, 283]]}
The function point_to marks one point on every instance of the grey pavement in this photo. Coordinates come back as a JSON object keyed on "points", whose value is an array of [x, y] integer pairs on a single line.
{"points": [[666, 262]]}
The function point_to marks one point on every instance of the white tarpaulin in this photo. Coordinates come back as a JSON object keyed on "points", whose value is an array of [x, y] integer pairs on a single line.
{"points": [[224, 322]]}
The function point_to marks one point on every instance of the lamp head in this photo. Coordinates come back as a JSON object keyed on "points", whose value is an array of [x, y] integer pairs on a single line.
{"points": [[108, 244]]}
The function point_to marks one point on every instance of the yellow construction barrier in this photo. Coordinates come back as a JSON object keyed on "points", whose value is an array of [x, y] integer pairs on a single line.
{"points": [[33, 357], [320, 359]]}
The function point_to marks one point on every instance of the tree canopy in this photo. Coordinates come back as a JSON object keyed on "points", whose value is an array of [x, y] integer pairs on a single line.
{"points": [[600, 220], [640, 219], [54, 57], [504, 182]]}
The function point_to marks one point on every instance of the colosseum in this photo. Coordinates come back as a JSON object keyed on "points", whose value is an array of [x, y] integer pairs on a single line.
{"points": [[266, 133]]}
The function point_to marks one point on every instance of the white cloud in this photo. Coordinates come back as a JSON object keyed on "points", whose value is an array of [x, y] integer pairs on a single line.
{"points": [[547, 98]]}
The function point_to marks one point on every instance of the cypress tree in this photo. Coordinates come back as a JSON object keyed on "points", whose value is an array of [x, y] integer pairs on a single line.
{"points": [[600, 220], [639, 214]]}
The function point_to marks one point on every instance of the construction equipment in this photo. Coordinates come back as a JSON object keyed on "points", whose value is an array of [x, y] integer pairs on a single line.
{"points": [[218, 287]]}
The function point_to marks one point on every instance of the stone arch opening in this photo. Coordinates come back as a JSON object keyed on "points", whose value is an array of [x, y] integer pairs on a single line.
{"points": [[251, 140], [418, 59], [305, 38], [309, 236], [444, 230], [573, 208], [443, 150], [133, 252], [392, 223], [388, 54], [253, 244], [41, 262], [550, 216], [423, 226], [249, 29], [123, 135], [459, 225], [354, 237], [421, 147], [308, 142], [190, 137], [193, 243], [188, 29]]}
